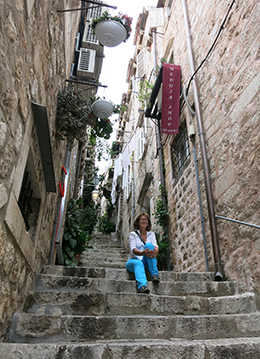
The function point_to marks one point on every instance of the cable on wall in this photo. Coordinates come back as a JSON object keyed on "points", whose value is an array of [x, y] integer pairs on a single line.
{"points": [[212, 46]]}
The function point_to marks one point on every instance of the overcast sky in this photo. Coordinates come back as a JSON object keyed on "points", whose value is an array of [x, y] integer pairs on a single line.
{"points": [[113, 73], [115, 63]]}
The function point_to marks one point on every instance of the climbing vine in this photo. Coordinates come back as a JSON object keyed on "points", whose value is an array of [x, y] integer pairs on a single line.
{"points": [[161, 216]]}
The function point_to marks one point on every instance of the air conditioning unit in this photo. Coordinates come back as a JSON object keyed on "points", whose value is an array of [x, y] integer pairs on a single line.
{"points": [[86, 64]]}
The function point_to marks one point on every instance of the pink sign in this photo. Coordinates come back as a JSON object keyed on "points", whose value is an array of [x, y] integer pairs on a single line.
{"points": [[171, 98]]}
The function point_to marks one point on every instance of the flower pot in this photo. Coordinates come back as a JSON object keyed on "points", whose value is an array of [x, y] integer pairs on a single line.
{"points": [[102, 108], [110, 33]]}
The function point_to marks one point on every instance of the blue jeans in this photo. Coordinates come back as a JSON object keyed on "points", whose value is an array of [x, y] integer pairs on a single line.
{"points": [[138, 267]]}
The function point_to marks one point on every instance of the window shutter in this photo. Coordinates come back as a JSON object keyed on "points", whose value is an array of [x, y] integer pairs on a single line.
{"points": [[156, 17], [141, 63], [88, 36], [140, 139]]}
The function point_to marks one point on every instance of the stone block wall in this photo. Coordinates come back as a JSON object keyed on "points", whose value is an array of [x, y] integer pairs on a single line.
{"points": [[229, 93], [35, 61]]}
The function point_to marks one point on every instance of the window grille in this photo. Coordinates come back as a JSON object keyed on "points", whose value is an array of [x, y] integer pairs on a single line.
{"points": [[180, 151]]}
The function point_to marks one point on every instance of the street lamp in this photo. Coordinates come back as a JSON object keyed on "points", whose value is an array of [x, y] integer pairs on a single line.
{"points": [[95, 194]]}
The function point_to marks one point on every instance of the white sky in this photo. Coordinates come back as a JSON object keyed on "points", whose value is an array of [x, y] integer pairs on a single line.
{"points": [[115, 63]]}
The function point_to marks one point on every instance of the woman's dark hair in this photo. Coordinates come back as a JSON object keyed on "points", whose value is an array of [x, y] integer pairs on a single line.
{"points": [[136, 222]]}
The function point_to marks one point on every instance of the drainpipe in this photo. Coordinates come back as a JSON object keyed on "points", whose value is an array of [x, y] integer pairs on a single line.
{"points": [[219, 276], [80, 148], [133, 194], [160, 153]]}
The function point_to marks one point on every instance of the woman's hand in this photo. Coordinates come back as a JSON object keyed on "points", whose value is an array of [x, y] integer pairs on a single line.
{"points": [[149, 253]]}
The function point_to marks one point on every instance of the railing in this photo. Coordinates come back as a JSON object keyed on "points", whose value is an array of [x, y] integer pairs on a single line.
{"points": [[240, 222]]}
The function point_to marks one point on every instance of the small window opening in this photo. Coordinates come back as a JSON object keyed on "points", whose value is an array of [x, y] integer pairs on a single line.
{"points": [[29, 199]]}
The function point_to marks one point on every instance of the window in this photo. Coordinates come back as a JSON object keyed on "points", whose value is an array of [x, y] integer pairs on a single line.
{"points": [[141, 63], [180, 151], [168, 8], [140, 143], [127, 182]]}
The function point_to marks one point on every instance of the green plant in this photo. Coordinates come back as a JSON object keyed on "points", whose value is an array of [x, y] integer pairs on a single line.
{"points": [[123, 19], [162, 257], [145, 90], [161, 216], [105, 225], [115, 149], [73, 115], [102, 149], [77, 233], [102, 128]]}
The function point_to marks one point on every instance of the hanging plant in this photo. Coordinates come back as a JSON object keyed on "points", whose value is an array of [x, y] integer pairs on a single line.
{"points": [[73, 115], [98, 103], [112, 30], [102, 108], [102, 128]]}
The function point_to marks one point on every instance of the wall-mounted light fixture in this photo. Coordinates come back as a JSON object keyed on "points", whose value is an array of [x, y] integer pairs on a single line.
{"points": [[95, 194]]}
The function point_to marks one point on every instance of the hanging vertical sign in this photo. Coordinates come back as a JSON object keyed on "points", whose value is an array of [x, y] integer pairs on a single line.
{"points": [[171, 83]]}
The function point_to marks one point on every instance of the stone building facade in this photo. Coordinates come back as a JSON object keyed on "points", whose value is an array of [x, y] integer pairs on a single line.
{"points": [[228, 88], [37, 45]]}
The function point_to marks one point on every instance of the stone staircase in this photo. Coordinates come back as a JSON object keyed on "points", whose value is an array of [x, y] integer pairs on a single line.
{"points": [[93, 311]]}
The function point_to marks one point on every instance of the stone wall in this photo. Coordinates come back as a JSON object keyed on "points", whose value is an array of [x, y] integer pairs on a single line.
{"points": [[229, 96], [34, 65]]}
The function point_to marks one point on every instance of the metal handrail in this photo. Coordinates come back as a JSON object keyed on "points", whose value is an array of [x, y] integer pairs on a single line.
{"points": [[240, 222]]}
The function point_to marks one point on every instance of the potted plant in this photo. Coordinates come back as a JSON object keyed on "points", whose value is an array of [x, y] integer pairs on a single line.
{"points": [[112, 30]]}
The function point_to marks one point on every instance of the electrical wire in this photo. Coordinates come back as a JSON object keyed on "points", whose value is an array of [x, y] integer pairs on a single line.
{"points": [[212, 46]]}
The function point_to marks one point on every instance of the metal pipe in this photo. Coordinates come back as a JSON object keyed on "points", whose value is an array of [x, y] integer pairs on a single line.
{"points": [[240, 222], [160, 153], [133, 195], [85, 83], [201, 212], [56, 240], [91, 2], [219, 275], [154, 51], [80, 148]]}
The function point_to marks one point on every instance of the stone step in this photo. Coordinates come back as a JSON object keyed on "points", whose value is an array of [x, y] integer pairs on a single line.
{"points": [[211, 289], [30, 328], [123, 274], [106, 250], [73, 303], [99, 256], [111, 263], [231, 348]]}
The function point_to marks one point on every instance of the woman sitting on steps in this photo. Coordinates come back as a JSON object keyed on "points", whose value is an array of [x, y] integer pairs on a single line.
{"points": [[143, 252]]}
